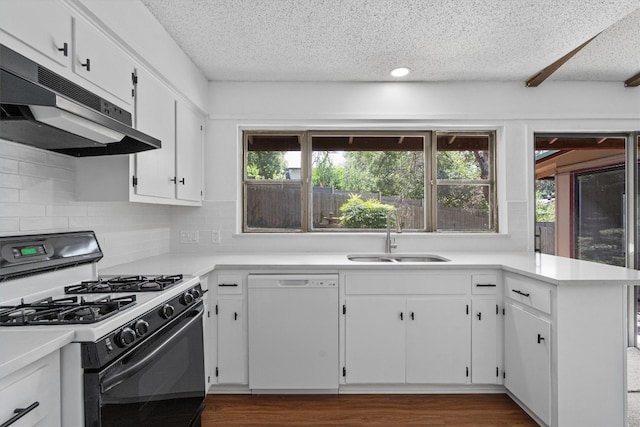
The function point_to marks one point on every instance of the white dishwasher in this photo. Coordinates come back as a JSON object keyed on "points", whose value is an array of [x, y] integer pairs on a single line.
{"points": [[293, 333]]}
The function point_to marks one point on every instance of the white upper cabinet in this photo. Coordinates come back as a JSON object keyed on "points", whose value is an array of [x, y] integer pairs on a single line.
{"points": [[188, 154], [155, 115], [101, 62], [44, 26]]}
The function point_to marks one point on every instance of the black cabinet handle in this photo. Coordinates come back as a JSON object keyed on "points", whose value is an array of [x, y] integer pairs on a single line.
{"points": [[524, 294], [19, 413], [228, 285], [174, 179], [486, 285], [413, 317], [479, 315], [401, 316], [540, 338], [235, 316], [182, 181], [64, 49], [87, 64]]}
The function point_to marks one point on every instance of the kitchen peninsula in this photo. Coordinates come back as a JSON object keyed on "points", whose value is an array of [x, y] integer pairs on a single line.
{"points": [[558, 344]]}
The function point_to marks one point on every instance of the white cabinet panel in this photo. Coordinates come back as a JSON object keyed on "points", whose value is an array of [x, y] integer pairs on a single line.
{"points": [[232, 341], [437, 341], [528, 359], [155, 115], [188, 154], [101, 62], [484, 341], [43, 25], [38, 382], [375, 340]]}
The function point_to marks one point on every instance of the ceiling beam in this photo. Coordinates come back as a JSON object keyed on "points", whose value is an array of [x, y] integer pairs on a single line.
{"points": [[546, 72], [633, 81]]}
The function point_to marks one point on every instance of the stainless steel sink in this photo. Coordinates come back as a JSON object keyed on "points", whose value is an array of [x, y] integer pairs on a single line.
{"points": [[396, 258]]}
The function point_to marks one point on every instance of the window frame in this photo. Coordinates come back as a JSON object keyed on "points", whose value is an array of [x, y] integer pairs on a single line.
{"points": [[431, 182]]}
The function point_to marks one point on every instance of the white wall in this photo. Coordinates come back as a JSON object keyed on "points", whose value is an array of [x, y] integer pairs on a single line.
{"points": [[37, 195], [516, 112]]}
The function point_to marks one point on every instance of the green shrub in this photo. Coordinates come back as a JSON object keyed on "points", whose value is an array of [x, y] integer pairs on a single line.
{"points": [[358, 213]]}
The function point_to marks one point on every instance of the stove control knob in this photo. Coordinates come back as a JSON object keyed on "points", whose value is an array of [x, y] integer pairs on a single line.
{"points": [[141, 327], [187, 298], [126, 337], [196, 293], [167, 311]]}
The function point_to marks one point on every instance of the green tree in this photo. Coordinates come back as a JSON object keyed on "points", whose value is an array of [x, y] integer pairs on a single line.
{"points": [[266, 164], [391, 173], [324, 172]]}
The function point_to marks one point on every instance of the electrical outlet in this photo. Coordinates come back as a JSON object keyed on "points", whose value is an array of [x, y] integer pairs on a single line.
{"points": [[215, 237], [189, 236]]}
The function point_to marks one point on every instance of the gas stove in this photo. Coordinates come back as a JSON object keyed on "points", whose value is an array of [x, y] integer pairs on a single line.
{"points": [[137, 347]]}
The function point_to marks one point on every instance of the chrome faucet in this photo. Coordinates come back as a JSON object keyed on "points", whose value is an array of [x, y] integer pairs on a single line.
{"points": [[389, 243]]}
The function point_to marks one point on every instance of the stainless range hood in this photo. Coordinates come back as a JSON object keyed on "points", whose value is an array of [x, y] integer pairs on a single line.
{"points": [[44, 110]]}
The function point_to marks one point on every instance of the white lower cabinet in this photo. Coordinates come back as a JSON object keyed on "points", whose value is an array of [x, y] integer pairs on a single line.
{"points": [[485, 323], [438, 340], [375, 340], [232, 341], [528, 359], [35, 390], [229, 330], [423, 338]]}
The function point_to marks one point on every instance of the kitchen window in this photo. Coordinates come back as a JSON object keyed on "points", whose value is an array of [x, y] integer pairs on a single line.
{"points": [[330, 181]]}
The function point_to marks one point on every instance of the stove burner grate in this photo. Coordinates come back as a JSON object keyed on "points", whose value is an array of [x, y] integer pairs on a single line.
{"points": [[68, 310], [125, 284]]}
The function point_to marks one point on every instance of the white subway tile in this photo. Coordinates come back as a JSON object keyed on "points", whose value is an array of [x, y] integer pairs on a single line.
{"points": [[21, 210], [34, 169], [44, 223], [12, 150], [8, 180], [43, 197], [66, 210], [9, 225], [9, 195], [8, 166]]}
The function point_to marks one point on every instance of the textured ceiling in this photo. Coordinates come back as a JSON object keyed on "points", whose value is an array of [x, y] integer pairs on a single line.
{"points": [[440, 40]]}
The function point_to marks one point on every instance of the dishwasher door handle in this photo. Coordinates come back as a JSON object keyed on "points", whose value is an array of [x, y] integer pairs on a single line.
{"points": [[293, 283]]}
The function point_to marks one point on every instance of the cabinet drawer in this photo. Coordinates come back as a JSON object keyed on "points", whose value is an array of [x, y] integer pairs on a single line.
{"points": [[38, 382], [406, 284], [528, 292], [230, 284], [484, 284]]}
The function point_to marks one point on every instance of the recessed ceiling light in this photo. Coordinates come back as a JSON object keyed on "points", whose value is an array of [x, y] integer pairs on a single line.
{"points": [[400, 72]]}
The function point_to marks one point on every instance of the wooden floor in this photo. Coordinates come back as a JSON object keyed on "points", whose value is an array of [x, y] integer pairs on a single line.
{"points": [[364, 410]]}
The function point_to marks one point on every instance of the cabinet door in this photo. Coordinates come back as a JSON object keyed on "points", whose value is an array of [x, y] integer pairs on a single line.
{"points": [[188, 154], [484, 342], [45, 26], [437, 340], [155, 115], [102, 63], [528, 359], [232, 342], [375, 340], [37, 382]]}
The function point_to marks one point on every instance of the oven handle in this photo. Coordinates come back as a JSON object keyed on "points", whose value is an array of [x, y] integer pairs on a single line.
{"points": [[118, 376]]}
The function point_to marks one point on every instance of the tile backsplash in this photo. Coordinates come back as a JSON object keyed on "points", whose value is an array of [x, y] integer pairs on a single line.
{"points": [[37, 195]]}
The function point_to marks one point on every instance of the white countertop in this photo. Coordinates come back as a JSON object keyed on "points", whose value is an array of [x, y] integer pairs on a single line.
{"points": [[551, 269], [20, 349]]}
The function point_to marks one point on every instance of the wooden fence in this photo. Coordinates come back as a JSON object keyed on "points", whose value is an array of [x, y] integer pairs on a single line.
{"points": [[278, 206]]}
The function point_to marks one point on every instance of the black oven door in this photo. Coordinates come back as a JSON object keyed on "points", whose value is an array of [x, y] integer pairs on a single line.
{"points": [[158, 383]]}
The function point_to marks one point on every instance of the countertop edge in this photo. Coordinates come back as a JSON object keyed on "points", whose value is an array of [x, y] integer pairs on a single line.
{"points": [[40, 344]]}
